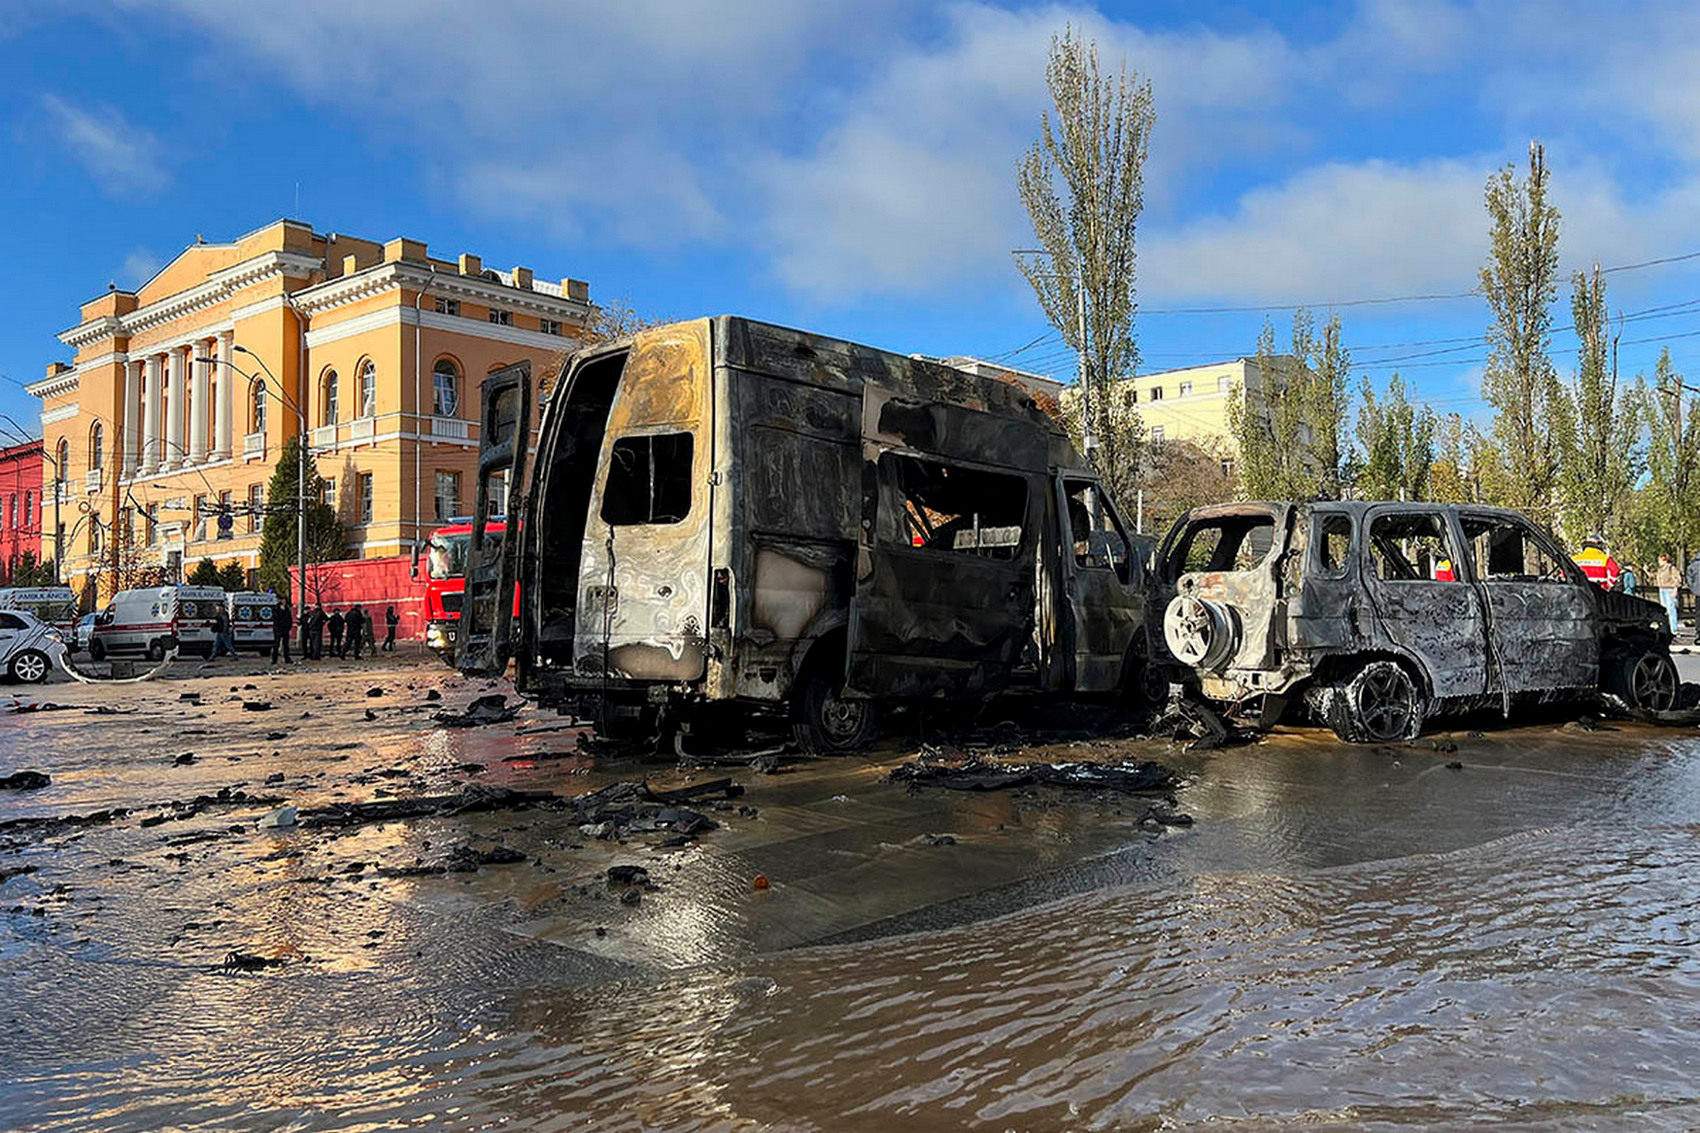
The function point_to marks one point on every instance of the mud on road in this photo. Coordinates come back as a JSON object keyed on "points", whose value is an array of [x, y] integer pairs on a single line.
{"points": [[256, 920]]}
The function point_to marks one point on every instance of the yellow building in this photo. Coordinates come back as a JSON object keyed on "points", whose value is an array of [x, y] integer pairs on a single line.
{"points": [[167, 412], [1192, 404]]}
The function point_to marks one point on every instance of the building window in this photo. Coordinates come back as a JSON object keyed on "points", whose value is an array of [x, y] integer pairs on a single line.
{"points": [[445, 388], [366, 496], [256, 507], [1222, 384], [62, 461], [94, 536], [1186, 389], [328, 398], [1157, 434], [1156, 394], [29, 510], [369, 388], [328, 496], [448, 306], [501, 318], [549, 326], [259, 408], [97, 445], [9, 516], [197, 524], [448, 496], [499, 493], [153, 524]]}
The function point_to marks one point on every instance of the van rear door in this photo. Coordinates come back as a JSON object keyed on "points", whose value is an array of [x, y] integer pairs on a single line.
{"points": [[952, 505], [492, 559]]}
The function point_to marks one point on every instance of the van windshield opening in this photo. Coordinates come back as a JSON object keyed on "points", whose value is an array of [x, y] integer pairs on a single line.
{"points": [[448, 555]]}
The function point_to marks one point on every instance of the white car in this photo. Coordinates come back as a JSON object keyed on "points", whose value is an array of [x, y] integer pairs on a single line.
{"points": [[81, 634], [30, 649]]}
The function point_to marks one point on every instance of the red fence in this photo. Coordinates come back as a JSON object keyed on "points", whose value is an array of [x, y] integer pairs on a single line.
{"points": [[373, 585]]}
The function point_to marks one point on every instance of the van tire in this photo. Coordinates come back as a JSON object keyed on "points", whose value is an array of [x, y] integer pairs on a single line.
{"points": [[826, 722], [97, 650], [156, 649], [30, 667]]}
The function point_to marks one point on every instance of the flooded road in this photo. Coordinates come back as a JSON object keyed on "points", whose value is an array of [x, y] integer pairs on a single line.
{"points": [[1352, 936]]}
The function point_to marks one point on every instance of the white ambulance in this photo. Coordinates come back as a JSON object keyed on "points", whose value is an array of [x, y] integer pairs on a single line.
{"points": [[152, 621], [55, 605], [251, 619]]}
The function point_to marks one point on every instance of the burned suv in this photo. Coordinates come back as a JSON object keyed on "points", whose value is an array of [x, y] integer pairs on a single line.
{"points": [[1377, 615]]}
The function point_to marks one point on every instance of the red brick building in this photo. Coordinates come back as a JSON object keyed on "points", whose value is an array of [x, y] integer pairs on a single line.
{"points": [[20, 505]]}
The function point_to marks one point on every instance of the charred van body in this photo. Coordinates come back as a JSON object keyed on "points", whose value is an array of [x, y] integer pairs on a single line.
{"points": [[1378, 615], [728, 512]]}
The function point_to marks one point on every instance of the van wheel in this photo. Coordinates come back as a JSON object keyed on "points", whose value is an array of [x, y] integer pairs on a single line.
{"points": [[156, 650], [97, 650], [1378, 705], [1144, 684], [30, 667], [826, 722], [1647, 682]]}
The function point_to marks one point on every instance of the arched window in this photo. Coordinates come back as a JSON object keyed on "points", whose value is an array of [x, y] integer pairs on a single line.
{"points": [[259, 407], [97, 446], [368, 388], [62, 461], [328, 397], [445, 388]]}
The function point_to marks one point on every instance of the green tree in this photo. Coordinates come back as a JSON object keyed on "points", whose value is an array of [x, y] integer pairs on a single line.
{"points": [[326, 540], [1093, 149], [204, 574], [1288, 429], [1397, 442], [1451, 477], [1673, 459], [1603, 459], [232, 577], [1532, 413], [29, 570]]}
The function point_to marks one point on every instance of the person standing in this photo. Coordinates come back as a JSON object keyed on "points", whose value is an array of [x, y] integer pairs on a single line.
{"points": [[1597, 563], [223, 642], [283, 622], [391, 618], [336, 625], [316, 632], [356, 626], [1627, 579], [1667, 580]]}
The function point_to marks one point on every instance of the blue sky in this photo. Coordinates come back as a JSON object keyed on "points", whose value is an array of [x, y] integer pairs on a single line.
{"points": [[848, 167]]}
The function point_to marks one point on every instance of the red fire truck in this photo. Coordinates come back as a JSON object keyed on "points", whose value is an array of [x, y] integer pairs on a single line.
{"points": [[445, 582]]}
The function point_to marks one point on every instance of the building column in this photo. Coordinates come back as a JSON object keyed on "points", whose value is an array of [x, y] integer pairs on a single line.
{"points": [[132, 416], [198, 383], [222, 412], [150, 426], [176, 361]]}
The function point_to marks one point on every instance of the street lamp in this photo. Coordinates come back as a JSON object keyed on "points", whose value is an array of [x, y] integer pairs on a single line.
{"points": [[300, 462]]}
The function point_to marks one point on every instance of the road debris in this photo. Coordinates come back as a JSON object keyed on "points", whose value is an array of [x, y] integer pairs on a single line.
{"points": [[492, 709], [986, 775], [25, 781]]}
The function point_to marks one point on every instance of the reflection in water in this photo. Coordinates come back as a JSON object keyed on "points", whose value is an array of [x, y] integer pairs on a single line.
{"points": [[1547, 978]]}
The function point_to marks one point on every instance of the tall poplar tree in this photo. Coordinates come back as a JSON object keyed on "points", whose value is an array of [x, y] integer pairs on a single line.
{"points": [[1083, 184], [1603, 459], [1531, 410], [1289, 428], [1673, 458], [1397, 442]]}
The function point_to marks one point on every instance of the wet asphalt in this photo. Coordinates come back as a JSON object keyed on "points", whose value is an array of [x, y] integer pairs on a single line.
{"points": [[1491, 923]]}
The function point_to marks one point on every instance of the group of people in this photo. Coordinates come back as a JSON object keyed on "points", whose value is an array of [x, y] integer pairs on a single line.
{"points": [[1598, 564], [355, 629]]}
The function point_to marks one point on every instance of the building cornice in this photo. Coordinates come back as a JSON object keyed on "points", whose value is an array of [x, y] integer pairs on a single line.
{"points": [[376, 280], [57, 386], [217, 288]]}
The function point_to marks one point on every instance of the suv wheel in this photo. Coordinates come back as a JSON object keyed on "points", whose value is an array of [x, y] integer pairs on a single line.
{"points": [[1378, 705], [1647, 682], [826, 722], [30, 667]]}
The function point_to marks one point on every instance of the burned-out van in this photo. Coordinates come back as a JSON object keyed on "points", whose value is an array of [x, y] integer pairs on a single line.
{"points": [[728, 512]]}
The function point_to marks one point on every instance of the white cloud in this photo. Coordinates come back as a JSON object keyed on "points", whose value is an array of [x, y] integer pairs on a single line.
{"points": [[138, 267], [123, 158]]}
